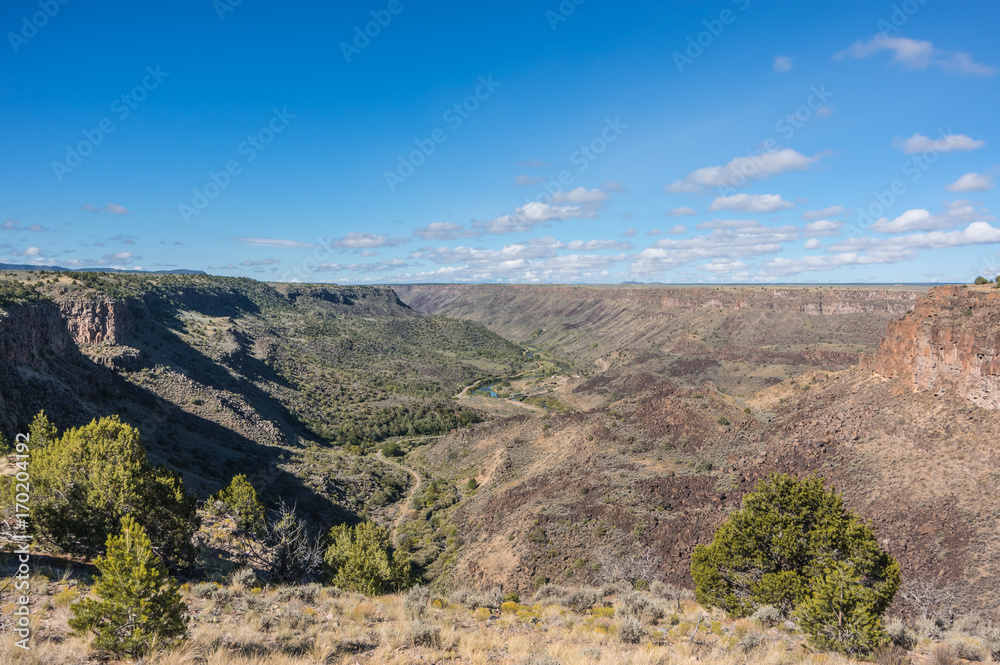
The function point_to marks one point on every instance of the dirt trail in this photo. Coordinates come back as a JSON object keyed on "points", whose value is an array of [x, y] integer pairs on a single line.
{"points": [[409, 497]]}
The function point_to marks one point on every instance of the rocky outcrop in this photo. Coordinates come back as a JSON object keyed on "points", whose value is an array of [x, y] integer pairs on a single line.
{"points": [[95, 321], [950, 341]]}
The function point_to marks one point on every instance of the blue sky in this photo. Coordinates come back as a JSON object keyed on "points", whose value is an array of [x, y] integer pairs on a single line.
{"points": [[729, 141]]}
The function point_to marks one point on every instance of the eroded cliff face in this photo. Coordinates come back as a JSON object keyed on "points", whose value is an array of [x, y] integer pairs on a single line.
{"points": [[948, 342], [33, 332], [95, 321]]}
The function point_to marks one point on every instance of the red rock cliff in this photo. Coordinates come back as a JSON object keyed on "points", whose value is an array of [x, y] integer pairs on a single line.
{"points": [[949, 341]]}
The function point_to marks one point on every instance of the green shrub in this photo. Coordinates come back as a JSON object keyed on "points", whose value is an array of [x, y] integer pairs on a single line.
{"points": [[361, 558], [139, 604], [723, 421], [794, 546], [241, 502], [85, 482], [767, 616], [392, 449], [982, 280]]}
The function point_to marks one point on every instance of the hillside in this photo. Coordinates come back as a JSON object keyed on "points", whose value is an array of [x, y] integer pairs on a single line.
{"points": [[739, 339], [225, 376], [649, 461]]}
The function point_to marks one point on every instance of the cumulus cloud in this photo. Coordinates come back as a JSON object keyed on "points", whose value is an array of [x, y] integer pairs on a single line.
{"points": [[368, 241], [832, 211], [120, 257], [972, 182], [916, 54], [812, 243], [976, 233], [947, 143], [680, 212], [956, 213], [724, 265], [677, 230], [823, 227], [581, 196], [750, 203], [525, 180], [782, 63], [275, 242], [529, 216], [261, 262], [654, 232], [740, 170], [729, 239]]}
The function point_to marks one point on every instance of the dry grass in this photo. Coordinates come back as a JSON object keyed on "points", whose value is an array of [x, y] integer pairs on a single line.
{"points": [[308, 626]]}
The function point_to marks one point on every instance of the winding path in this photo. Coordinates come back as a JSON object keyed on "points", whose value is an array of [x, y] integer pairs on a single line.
{"points": [[409, 497]]}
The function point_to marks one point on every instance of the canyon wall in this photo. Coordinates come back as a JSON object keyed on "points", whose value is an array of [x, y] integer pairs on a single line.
{"points": [[948, 342]]}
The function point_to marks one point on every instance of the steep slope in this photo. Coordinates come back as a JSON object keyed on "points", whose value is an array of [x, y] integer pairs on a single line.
{"points": [[224, 376], [657, 465], [740, 339]]}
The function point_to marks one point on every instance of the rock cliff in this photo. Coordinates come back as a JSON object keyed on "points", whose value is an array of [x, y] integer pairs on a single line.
{"points": [[948, 342]]}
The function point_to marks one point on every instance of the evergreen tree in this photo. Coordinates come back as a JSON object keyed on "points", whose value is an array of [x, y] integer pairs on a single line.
{"points": [[41, 432], [241, 502], [87, 480], [361, 558], [139, 604], [793, 545]]}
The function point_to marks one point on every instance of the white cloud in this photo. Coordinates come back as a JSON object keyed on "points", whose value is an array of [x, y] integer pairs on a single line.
{"points": [[581, 196], [261, 262], [823, 227], [782, 63], [917, 54], [680, 212], [677, 230], [274, 242], [781, 266], [832, 211], [972, 182], [654, 232], [526, 180], [742, 169], [724, 265], [445, 231], [812, 243], [947, 143], [957, 213], [750, 203], [976, 233], [530, 216], [729, 239], [119, 257], [368, 241]]}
